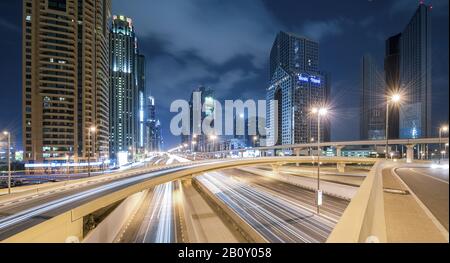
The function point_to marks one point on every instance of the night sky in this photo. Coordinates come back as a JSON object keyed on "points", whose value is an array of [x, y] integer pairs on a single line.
{"points": [[226, 45]]}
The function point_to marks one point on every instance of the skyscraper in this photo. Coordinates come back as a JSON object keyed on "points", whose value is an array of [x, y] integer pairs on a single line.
{"points": [[125, 88], [65, 80], [298, 85], [206, 99], [392, 79], [142, 92], [415, 75], [373, 110], [153, 137]]}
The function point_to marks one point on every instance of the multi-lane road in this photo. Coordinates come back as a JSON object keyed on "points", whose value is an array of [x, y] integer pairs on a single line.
{"points": [[431, 186], [278, 215]]}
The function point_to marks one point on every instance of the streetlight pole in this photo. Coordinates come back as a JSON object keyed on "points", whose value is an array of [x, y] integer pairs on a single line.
{"points": [[320, 112], [8, 135], [318, 162], [395, 99]]}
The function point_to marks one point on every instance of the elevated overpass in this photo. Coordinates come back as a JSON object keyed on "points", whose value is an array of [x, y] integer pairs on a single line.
{"points": [[59, 219], [408, 143]]}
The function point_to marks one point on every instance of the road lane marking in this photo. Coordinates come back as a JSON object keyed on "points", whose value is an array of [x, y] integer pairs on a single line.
{"points": [[427, 175]]}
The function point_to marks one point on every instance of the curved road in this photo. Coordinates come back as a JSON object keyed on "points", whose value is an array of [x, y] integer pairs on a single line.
{"points": [[431, 187]]}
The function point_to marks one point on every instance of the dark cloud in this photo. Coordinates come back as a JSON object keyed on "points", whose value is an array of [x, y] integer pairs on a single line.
{"points": [[215, 31], [8, 25]]}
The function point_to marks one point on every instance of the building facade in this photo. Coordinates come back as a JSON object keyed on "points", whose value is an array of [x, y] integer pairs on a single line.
{"points": [[142, 91], [373, 104], [196, 140], [297, 85], [65, 80], [415, 75], [153, 137], [126, 91]]}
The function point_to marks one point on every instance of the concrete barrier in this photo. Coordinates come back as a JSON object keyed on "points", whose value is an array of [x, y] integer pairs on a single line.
{"points": [[110, 227], [363, 221]]}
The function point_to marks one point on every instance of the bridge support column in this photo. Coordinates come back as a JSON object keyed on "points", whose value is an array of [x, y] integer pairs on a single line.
{"points": [[297, 153], [339, 151], [276, 169], [409, 153], [341, 167]]}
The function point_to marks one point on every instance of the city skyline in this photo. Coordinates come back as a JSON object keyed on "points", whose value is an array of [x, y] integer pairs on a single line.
{"points": [[224, 122], [245, 70]]}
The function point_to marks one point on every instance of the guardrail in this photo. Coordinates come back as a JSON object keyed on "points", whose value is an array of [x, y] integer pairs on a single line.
{"points": [[363, 221], [23, 191]]}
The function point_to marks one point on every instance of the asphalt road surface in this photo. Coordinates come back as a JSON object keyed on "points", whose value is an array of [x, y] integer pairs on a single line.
{"points": [[275, 216], [431, 187]]}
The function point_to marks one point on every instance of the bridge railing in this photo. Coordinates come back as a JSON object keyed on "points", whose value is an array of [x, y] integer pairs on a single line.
{"points": [[363, 221]]}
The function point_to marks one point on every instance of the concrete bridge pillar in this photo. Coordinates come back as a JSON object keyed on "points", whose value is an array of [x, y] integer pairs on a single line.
{"points": [[276, 169], [297, 152], [341, 167], [339, 151], [409, 153]]}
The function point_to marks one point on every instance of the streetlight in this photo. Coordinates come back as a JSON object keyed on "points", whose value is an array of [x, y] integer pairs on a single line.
{"points": [[255, 139], [319, 112], [193, 143], [395, 99], [441, 129], [91, 130], [8, 135]]}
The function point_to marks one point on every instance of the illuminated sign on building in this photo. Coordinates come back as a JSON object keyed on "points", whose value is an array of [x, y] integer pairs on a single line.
{"points": [[307, 78]]}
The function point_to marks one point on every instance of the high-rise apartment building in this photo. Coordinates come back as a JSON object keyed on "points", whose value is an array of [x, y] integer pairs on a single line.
{"points": [[373, 109], [127, 89], [415, 75], [297, 85], [65, 80]]}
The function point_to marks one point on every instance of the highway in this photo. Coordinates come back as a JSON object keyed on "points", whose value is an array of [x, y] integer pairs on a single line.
{"points": [[158, 225], [277, 218], [333, 207], [431, 187], [21, 213]]}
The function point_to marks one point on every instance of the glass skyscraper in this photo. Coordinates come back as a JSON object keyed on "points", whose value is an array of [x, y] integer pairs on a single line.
{"points": [[415, 75], [373, 109], [297, 85]]}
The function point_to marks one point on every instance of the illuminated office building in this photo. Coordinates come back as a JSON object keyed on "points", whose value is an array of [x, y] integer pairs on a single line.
{"points": [[373, 101], [297, 85], [415, 75]]}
